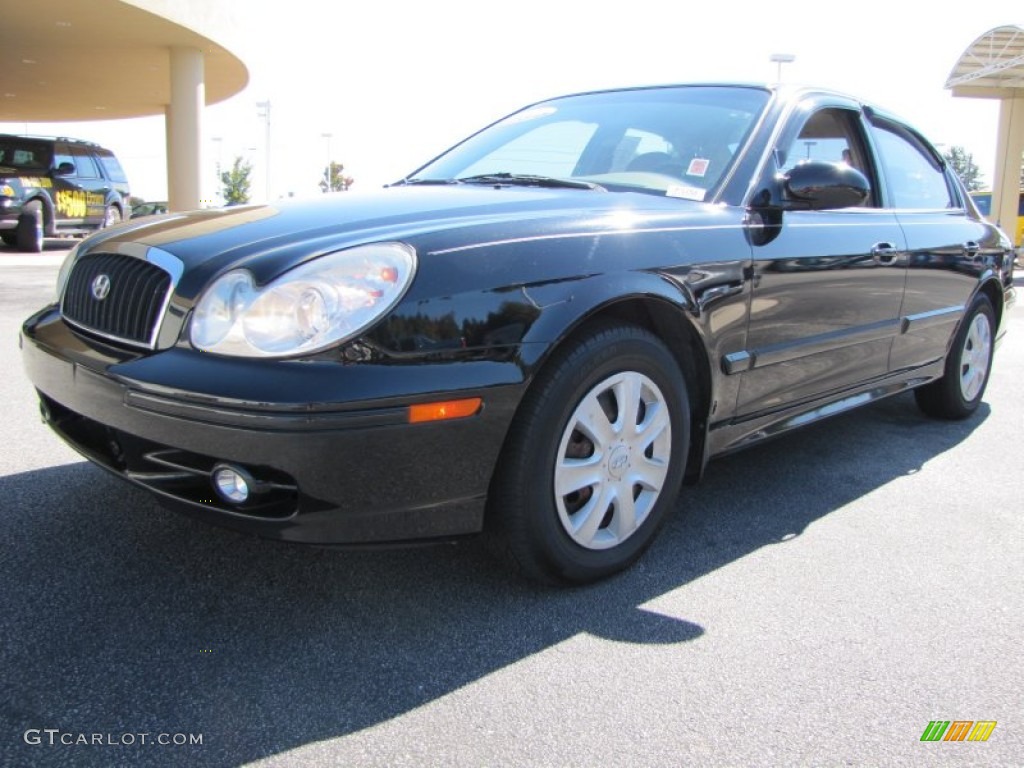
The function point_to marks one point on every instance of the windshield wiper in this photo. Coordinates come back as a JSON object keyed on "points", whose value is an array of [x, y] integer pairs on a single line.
{"points": [[416, 180], [529, 180]]}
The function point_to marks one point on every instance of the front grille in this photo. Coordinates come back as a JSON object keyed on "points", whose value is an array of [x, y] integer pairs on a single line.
{"points": [[126, 306]]}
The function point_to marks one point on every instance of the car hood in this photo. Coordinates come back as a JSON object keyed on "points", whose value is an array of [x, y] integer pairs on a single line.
{"points": [[269, 239]]}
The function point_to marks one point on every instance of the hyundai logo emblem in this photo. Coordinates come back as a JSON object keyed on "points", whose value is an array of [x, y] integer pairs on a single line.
{"points": [[100, 287]]}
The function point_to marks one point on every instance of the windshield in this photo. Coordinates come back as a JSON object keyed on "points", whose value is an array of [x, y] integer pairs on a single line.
{"points": [[673, 141], [24, 155]]}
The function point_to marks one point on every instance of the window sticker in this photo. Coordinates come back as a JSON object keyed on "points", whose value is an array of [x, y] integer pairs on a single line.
{"points": [[686, 193], [698, 167]]}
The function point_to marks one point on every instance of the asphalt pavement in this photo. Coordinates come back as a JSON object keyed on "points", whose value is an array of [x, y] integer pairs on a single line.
{"points": [[818, 600]]}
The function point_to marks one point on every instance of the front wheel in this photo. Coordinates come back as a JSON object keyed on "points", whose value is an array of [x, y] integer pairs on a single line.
{"points": [[595, 458], [958, 393], [111, 216]]}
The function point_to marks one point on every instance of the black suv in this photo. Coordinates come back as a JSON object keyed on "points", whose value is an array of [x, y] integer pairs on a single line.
{"points": [[61, 186]]}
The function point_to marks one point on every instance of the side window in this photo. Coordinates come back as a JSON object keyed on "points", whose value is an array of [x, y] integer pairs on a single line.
{"points": [[916, 180], [85, 164], [830, 135], [27, 156], [63, 155], [113, 168]]}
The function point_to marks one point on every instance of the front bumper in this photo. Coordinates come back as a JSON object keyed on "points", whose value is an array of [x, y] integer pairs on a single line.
{"points": [[330, 443]]}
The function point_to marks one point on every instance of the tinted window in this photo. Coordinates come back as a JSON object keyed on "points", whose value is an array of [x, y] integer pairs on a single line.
{"points": [[63, 156], [112, 168], [85, 164], [24, 155], [916, 179]]}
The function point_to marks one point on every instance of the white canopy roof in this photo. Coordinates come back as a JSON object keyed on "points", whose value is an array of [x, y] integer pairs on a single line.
{"points": [[993, 62]]}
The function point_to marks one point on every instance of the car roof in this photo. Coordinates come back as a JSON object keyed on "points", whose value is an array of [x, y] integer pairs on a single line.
{"points": [[50, 139]]}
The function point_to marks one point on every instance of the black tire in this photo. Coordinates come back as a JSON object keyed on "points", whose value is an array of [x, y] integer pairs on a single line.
{"points": [[29, 234], [9, 237], [586, 386], [959, 392]]}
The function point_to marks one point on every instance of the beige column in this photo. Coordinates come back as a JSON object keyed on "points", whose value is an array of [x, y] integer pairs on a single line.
{"points": [[183, 120], [1009, 153]]}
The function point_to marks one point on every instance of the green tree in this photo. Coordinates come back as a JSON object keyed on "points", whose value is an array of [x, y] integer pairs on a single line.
{"points": [[236, 182], [965, 167], [339, 181]]}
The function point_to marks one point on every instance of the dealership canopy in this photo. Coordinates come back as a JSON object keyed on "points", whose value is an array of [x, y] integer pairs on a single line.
{"points": [[992, 67], [73, 60]]}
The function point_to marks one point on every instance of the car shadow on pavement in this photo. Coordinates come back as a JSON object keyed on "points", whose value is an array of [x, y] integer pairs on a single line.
{"points": [[124, 618]]}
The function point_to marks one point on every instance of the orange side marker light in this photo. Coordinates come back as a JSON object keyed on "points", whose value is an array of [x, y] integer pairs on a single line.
{"points": [[444, 410]]}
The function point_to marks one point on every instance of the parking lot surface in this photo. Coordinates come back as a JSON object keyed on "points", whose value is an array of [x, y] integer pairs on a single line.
{"points": [[815, 601]]}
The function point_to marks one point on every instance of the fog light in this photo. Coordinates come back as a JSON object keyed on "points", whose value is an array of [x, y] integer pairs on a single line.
{"points": [[232, 483]]}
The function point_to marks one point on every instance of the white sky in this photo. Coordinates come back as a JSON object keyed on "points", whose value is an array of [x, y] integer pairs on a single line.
{"points": [[398, 81]]}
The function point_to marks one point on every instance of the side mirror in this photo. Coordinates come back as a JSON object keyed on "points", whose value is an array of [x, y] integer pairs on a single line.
{"points": [[820, 186], [65, 169]]}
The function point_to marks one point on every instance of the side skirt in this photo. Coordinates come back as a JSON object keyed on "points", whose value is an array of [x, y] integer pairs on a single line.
{"points": [[728, 436]]}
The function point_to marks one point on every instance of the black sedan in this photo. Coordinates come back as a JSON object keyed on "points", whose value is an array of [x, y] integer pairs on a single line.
{"points": [[540, 334]]}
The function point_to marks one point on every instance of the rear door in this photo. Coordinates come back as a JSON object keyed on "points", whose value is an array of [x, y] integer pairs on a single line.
{"points": [[94, 187], [949, 250]]}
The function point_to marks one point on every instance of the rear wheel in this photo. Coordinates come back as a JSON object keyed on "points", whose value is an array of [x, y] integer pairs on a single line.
{"points": [[8, 237], [958, 393], [595, 458], [29, 234]]}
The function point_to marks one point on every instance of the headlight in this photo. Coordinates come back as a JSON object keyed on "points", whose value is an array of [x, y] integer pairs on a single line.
{"points": [[65, 271], [313, 306]]}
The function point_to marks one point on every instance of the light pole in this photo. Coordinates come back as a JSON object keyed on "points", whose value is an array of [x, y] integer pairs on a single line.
{"points": [[219, 141], [327, 169], [264, 114], [779, 59]]}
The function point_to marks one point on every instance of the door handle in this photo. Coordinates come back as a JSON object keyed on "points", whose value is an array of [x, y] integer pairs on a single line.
{"points": [[884, 254], [973, 251]]}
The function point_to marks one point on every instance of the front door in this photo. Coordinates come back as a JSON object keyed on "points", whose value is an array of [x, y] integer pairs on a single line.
{"points": [[78, 198], [827, 288]]}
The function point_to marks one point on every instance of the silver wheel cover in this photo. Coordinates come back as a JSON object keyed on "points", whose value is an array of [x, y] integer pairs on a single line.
{"points": [[974, 357], [612, 460]]}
